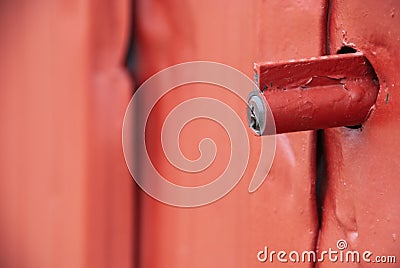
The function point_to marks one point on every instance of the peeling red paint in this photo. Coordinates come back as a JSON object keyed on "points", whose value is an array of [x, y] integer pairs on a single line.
{"points": [[318, 93]]}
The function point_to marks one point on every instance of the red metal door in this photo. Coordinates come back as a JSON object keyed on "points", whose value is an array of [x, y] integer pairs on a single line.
{"points": [[66, 198], [282, 213], [357, 188], [362, 201]]}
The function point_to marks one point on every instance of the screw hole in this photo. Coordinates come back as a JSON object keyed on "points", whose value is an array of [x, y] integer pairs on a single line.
{"points": [[355, 127], [346, 50]]}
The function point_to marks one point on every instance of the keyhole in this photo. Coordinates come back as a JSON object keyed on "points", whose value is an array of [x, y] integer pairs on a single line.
{"points": [[254, 124]]}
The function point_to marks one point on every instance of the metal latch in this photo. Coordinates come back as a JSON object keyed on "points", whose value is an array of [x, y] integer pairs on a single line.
{"points": [[314, 93]]}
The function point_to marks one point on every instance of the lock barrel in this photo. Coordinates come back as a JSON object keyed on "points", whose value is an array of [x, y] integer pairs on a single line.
{"points": [[314, 93]]}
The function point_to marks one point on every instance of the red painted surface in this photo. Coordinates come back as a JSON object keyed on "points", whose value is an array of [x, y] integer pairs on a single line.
{"points": [[362, 192], [320, 92], [281, 214], [66, 198]]}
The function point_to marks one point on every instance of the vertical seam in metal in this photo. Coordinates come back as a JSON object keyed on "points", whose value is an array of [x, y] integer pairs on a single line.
{"points": [[130, 66], [320, 156], [327, 27]]}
